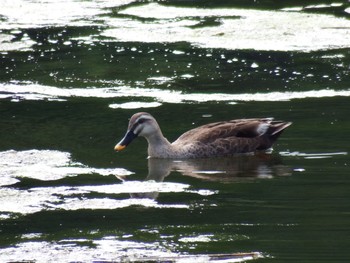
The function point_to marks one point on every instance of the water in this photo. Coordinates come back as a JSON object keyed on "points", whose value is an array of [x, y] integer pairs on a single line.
{"points": [[73, 72]]}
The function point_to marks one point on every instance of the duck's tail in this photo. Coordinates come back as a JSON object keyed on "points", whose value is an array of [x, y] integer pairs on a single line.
{"points": [[274, 131], [277, 127]]}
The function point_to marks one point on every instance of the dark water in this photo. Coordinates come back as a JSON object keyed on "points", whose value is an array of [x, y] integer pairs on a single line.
{"points": [[71, 78]]}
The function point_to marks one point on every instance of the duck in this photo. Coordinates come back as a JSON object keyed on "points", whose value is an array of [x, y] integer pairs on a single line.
{"points": [[218, 139]]}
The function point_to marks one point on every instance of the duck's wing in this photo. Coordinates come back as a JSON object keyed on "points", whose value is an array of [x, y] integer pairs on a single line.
{"points": [[242, 128]]}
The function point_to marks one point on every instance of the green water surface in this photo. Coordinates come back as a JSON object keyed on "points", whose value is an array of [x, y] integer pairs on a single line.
{"points": [[288, 206]]}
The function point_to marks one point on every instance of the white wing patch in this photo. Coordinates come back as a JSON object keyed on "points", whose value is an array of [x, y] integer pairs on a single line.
{"points": [[262, 128]]}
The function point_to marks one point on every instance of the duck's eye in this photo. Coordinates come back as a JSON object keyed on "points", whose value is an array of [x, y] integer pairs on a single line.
{"points": [[140, 121]]}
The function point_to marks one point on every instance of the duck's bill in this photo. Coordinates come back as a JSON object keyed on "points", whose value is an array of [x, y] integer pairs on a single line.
{"points": [[119, 147], [129, 136]]}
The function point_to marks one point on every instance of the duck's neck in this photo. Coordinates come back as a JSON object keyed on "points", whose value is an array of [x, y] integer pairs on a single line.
{"points": [[158, 145]]}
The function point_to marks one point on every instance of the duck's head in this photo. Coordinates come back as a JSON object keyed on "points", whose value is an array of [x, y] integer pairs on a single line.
{"points": [[140, 124]]}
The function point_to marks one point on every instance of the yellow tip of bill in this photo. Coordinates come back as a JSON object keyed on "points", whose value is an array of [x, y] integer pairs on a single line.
{"points": [[119, 147]]}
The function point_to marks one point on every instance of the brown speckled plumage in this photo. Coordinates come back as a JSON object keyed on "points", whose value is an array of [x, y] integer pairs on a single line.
{"points": [[211, 140]]}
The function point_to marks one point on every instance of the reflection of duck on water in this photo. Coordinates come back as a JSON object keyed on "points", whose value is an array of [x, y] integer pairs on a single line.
{"points": [[211, 140], [228, 169]]}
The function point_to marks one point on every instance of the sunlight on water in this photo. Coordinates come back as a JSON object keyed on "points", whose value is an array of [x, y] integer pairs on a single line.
{"points": [[313, 155], [200, 238], [285, 30], [235, 29], [33, 14], [109, 249], [48, 165], [72, 204], [135, 105], [121, 248], [39, 199], [73, 251], [320, 6], [31, 91], [45, 165], [8, 43], [22, 14]]}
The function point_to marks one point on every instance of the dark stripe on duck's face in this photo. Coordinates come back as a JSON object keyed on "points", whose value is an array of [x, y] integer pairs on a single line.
{"points": [[138, 125], [128, 138]]}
